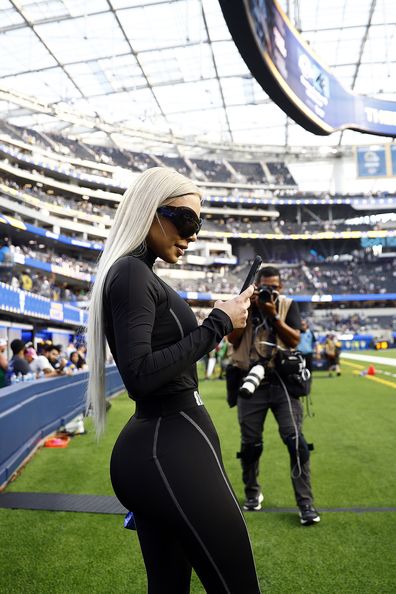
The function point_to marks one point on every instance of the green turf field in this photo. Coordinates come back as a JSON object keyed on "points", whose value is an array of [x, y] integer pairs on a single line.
{"points": [[388, 353], [353, 466]]}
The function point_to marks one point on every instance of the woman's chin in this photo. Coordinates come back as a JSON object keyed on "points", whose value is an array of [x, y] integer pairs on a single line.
{"points": [[170, 258]]}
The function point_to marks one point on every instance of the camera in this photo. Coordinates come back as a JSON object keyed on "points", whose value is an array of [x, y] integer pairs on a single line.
{"points": [[267, 294], [252, 381]]}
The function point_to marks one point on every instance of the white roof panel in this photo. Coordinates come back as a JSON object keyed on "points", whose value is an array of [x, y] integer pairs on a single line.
{"points": [[171, 67]]}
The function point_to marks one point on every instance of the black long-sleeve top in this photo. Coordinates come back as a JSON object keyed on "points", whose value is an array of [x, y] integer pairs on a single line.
{"points": [[152, 333]]}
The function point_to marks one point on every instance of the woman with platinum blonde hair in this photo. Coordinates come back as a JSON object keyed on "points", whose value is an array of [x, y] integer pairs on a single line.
{"points": [[166, 464]]}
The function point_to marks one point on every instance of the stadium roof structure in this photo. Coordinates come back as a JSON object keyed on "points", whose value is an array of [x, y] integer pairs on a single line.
{"points": [[166, 77]]}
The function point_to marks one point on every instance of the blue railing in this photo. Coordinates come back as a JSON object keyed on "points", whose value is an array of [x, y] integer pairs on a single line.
{"points": [[31, 411]]}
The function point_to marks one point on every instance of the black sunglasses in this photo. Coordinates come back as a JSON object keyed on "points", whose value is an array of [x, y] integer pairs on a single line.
{"points": [[184, 219]]}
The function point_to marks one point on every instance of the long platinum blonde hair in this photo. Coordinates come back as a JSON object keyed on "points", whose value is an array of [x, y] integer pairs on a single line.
{"points": [[131, 225]]}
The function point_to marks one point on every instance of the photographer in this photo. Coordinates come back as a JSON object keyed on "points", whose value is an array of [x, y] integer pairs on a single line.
{"points": [[275, 319]]}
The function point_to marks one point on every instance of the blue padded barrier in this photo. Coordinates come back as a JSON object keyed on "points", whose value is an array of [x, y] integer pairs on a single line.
{"points": [[31, 411]]}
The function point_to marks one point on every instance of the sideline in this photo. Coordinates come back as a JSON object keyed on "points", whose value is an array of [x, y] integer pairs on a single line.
{"points": [[369, 359], [110, 505]]}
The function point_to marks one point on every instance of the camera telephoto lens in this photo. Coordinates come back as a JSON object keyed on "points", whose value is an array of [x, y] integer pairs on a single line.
{"points": [[252, 381]]}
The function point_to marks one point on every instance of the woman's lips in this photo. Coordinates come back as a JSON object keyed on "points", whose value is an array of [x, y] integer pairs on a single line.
{"points": [[181, 249]]}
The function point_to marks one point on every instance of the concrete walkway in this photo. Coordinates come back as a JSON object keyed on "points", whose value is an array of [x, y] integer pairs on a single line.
{"points": [[370, 359]]}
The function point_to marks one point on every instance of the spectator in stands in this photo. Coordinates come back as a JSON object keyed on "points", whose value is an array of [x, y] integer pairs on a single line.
{"points": [[45, 290], [15, 284], [6, 254], [39, 364], [18, 365], [273, 318], [75, 362], [52, 352], [3, 362], [80, 348], [307, 346], [26, 281], [71, 347], [82, 353]]}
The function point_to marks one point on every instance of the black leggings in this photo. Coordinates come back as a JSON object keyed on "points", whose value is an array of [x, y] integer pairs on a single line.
{"points": [[168, 470]]}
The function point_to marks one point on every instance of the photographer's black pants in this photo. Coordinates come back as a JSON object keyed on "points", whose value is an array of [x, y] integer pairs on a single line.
{"points": [[167, 469], [252, 414]]}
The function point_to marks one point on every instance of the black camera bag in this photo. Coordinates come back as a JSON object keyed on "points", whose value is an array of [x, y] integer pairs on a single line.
{"points": [[290, 365]]}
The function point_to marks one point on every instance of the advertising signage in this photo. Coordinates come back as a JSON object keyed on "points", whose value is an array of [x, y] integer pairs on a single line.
{"points": [[371, 162], [295, 78]]}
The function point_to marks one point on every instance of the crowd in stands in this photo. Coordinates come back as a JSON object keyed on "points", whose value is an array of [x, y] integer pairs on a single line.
{"points": [[211, 284], [305, 272], [219, 171], [242, 225], [215, 223], [357, 275], [49, 360], [69, 203], [250, 173], [281, 173], [353, 323], [311, 276], [46, 286], [177, 163], [314, 274], [40, 283], [37, 251], [213, 170]]}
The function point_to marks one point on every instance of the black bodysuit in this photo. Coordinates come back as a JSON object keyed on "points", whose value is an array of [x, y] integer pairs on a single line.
{"points": [[166, 464]]}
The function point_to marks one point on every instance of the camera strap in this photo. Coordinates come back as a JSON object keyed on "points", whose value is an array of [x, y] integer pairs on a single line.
{"points": [[261, 323]]}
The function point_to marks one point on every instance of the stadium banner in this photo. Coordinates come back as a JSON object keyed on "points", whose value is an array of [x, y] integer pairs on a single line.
{"points": [[371, 161], [31, 411], [295, 78]]}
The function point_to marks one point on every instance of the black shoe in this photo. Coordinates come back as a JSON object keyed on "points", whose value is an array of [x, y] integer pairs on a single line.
{"points": [[254, 503], [308, 515]]}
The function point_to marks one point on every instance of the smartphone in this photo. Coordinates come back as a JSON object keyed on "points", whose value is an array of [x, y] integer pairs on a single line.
{"points": [[252, 273]]}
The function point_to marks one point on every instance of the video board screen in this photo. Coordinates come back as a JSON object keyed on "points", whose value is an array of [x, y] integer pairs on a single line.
{"points": [[295, 78]]}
